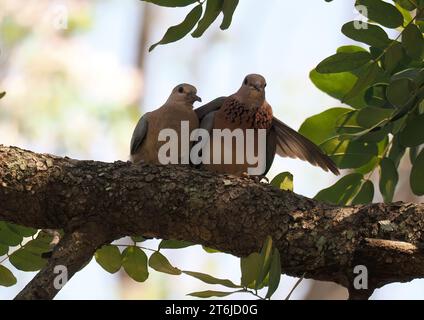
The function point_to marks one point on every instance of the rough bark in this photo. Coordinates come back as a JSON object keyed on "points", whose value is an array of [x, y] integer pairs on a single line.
{"points": [[231, 214]]}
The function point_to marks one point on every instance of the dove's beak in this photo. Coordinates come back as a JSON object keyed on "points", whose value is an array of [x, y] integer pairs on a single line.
{"points": [[196, 98]]}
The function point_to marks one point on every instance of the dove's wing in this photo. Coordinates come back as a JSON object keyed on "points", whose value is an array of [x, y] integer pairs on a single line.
{"points": [[139, 133], [292, 144], [212, 106]]}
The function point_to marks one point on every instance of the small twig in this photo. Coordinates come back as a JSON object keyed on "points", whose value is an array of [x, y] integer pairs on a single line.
{"points": [[295, 286]]}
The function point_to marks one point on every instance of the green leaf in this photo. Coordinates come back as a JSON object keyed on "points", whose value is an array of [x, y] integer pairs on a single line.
{"points": [[413, 42], [274, 273], [350, 49], [206, 278], [265, 261], [160, 263], [8, 237], [321, 127], [369, 117], [250, 267], [174, 244], [283, 181], [7, 279], [109, 258], [343, 61], [384, 13], [26, 260], [338, 85], [375, 96], [213, 9], [413, 154], [417, 175], [343, 191], [210, 294], [134, 261], [350, 154], [228, 9], [365, 80], [406, 4], [138, 239], [365, 194], [393, 57], [388, 179], [3, 249], [171, 3], [413, 133], [179, 31], [210, 250], [397, 151], [399, 91], [21, 230], [367, 33]]}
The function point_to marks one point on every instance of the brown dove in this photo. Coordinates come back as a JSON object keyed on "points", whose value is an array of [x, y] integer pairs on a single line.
{"points": [[248, 109], [145, 142]]}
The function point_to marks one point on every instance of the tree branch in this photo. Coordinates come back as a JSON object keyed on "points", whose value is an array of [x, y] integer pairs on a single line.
{"points": [[234, 215]]}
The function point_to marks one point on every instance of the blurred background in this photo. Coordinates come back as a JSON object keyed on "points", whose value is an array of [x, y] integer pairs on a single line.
{"points": [[78, 76]]}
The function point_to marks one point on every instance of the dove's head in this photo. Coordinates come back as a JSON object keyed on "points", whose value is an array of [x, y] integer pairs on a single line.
{"points": [[185, 94], [252, 91]]}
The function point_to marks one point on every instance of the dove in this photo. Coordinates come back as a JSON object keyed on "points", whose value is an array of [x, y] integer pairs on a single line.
{"points": [[146, 142], [248, 109]]}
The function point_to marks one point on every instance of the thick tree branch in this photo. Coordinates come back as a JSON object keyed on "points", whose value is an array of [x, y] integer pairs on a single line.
{"points": [[231, 214]]}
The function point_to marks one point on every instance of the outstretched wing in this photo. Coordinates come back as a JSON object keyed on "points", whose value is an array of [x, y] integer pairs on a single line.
{"points": [[139, 133], [292, 144]]}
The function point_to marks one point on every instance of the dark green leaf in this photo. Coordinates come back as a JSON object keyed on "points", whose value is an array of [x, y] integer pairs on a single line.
{"points": [[413, 133], [160, 263], [265, 262], [138, 239], [343, 61], [365, 80], [250, 267], [365, 194], [109, 258], [26, 260], [171, 3], [210, 294], [8, 237], [210, 279], [399, 91], [382, 12], [179, 31], [350, 154], [174, 244], [3, 249], [7, 279], [388, 179], [417, 175], [369, 117], [413, 42], [21, 230], [274, 273], [134, 261], [393, 57], [406, 4], [397, 151], [228, 9], [413, 154], [343, 191], [213, 9], [367, 33], [283, 181]]}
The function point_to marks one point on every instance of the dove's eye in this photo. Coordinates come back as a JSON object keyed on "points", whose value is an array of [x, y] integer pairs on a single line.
{"points": [[265, 85], [180, 89], [246, 82]]}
